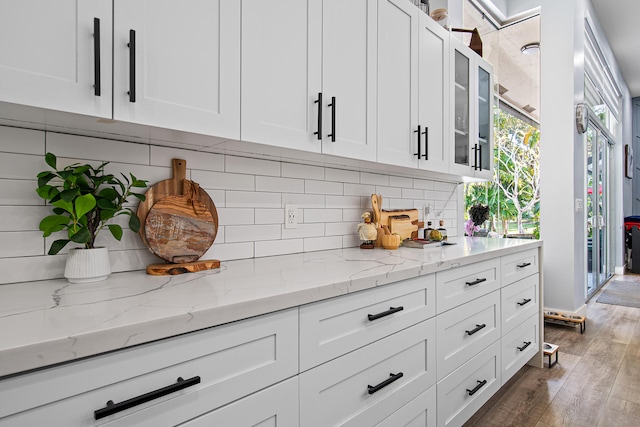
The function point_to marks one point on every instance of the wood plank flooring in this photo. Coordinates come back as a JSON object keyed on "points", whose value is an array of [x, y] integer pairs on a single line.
{"points": [[595, 383]]}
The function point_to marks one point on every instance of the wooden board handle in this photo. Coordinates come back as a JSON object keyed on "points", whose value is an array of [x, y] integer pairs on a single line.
{"points": [[179, 167]]}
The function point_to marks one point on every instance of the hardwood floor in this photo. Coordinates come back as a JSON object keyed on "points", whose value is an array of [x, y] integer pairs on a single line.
{"points": [[595, 383]]}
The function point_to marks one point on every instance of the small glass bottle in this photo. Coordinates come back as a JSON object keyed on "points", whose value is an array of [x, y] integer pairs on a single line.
{"points": [[442, 230], [427, 231]]}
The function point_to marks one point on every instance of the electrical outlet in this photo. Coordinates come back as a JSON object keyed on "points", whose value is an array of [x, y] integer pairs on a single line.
{"points": [[290, 216]]}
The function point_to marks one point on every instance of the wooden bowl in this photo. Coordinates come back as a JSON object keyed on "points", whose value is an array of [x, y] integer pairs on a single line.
{"points": [[391, 241]]}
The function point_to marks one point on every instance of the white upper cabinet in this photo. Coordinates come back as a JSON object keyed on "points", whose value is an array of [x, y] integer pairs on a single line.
{"points": [[308, 75], [413, 66], [177, 65], [471, 113], [56, 55]]}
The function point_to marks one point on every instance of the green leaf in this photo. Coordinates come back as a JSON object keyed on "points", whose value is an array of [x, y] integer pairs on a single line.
{"points": [[50, 158], [108, 193], [138, 183], [59, 211], [69, 195], [81, 236], [106, 214], [44, 178], [84, 204], [64, 205], [57, 246], [116, 230], [52, 223], [105, 204], [47, 192], [140, 197], [134, 223]]}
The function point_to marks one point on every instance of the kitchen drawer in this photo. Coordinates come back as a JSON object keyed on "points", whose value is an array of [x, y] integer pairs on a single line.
{"points": [[466, 330], [276, 406], [338, 392], [463, 392], [519, 346], [420, 412], [231, 360], [336, 326], [519, 265], [519, 301], [459, 285]]}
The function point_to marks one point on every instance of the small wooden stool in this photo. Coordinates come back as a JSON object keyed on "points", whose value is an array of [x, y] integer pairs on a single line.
{"points": [[566, 319], [549, 350]]}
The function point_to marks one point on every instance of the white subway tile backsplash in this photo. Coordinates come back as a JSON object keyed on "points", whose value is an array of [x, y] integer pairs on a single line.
{"points": [[279, 247], [280, 185], [21, 141], [304, 200], [322, 243], [374, 178], [250, 199], [162, 156], [323, 187], [400, 181], [359, 190], [84, 147], [223, 180], [235, 216], [252, 166], [251, 233], [347, 202], [249, 195], [322, 215], [294, 170], [341, 175]]}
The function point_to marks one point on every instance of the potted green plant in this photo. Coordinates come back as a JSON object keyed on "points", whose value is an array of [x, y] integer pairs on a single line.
{"points": [[84, 200]]}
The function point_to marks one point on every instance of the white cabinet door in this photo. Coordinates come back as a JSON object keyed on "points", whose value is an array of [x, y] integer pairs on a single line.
{"points": [[397, 119], [433, 46], [48, 57], [348, 78], [281, 73], [471, 113], [177, 65]]}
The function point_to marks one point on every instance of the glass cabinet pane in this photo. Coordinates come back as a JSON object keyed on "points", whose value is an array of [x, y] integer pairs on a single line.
{"points": [[484, 118], [461, 118]]}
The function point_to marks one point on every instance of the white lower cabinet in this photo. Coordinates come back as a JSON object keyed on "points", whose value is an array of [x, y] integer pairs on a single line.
{"points": [[276, 406], [366, 386], [469, 387], [420, 412], [520, 345]]}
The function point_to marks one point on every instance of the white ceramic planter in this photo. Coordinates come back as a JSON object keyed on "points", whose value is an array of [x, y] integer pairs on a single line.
{"points": [[87, 265]]}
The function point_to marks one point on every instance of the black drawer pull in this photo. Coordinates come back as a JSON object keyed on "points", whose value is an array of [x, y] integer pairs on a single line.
{"points": [[319, 102], [96, 57], [476, 388], [132, 66], [113, 408], [475, 282], [526, 301], [419, 132], [385, 313], [523, 265], [332, 135], [526, 344], [477, 328], [392, 377]]}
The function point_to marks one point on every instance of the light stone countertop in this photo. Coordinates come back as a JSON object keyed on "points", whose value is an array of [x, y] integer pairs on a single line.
{"points": [[52, 321]]}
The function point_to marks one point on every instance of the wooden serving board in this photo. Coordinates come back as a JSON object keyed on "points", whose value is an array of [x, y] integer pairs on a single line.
{"points": [[180, 229], [186, 267]]}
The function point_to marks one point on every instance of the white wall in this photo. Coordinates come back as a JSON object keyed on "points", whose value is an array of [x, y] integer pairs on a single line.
{"points": [[249, 195]]}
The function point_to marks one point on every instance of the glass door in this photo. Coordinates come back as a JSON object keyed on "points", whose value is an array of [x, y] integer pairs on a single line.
{"points": [[598, 248]]}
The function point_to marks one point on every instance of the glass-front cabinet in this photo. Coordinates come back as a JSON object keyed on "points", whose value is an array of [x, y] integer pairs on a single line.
{"points": [[471, 113]]}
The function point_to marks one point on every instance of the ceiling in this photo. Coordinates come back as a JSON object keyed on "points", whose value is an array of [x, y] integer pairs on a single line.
{"points": [[619, 21]]}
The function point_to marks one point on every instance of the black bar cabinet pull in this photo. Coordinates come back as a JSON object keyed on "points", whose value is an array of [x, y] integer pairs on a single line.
{"points": [[475, 282], [476, 388], [479, 157], [383, 384], [96, 57], [113, 408], [426, 143], [419, 153], [333, 119], [523, 265], [526, 301], [132, 66], [319, 102], [385, 313], [475, 157], [526, 344], [476, 329]]}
